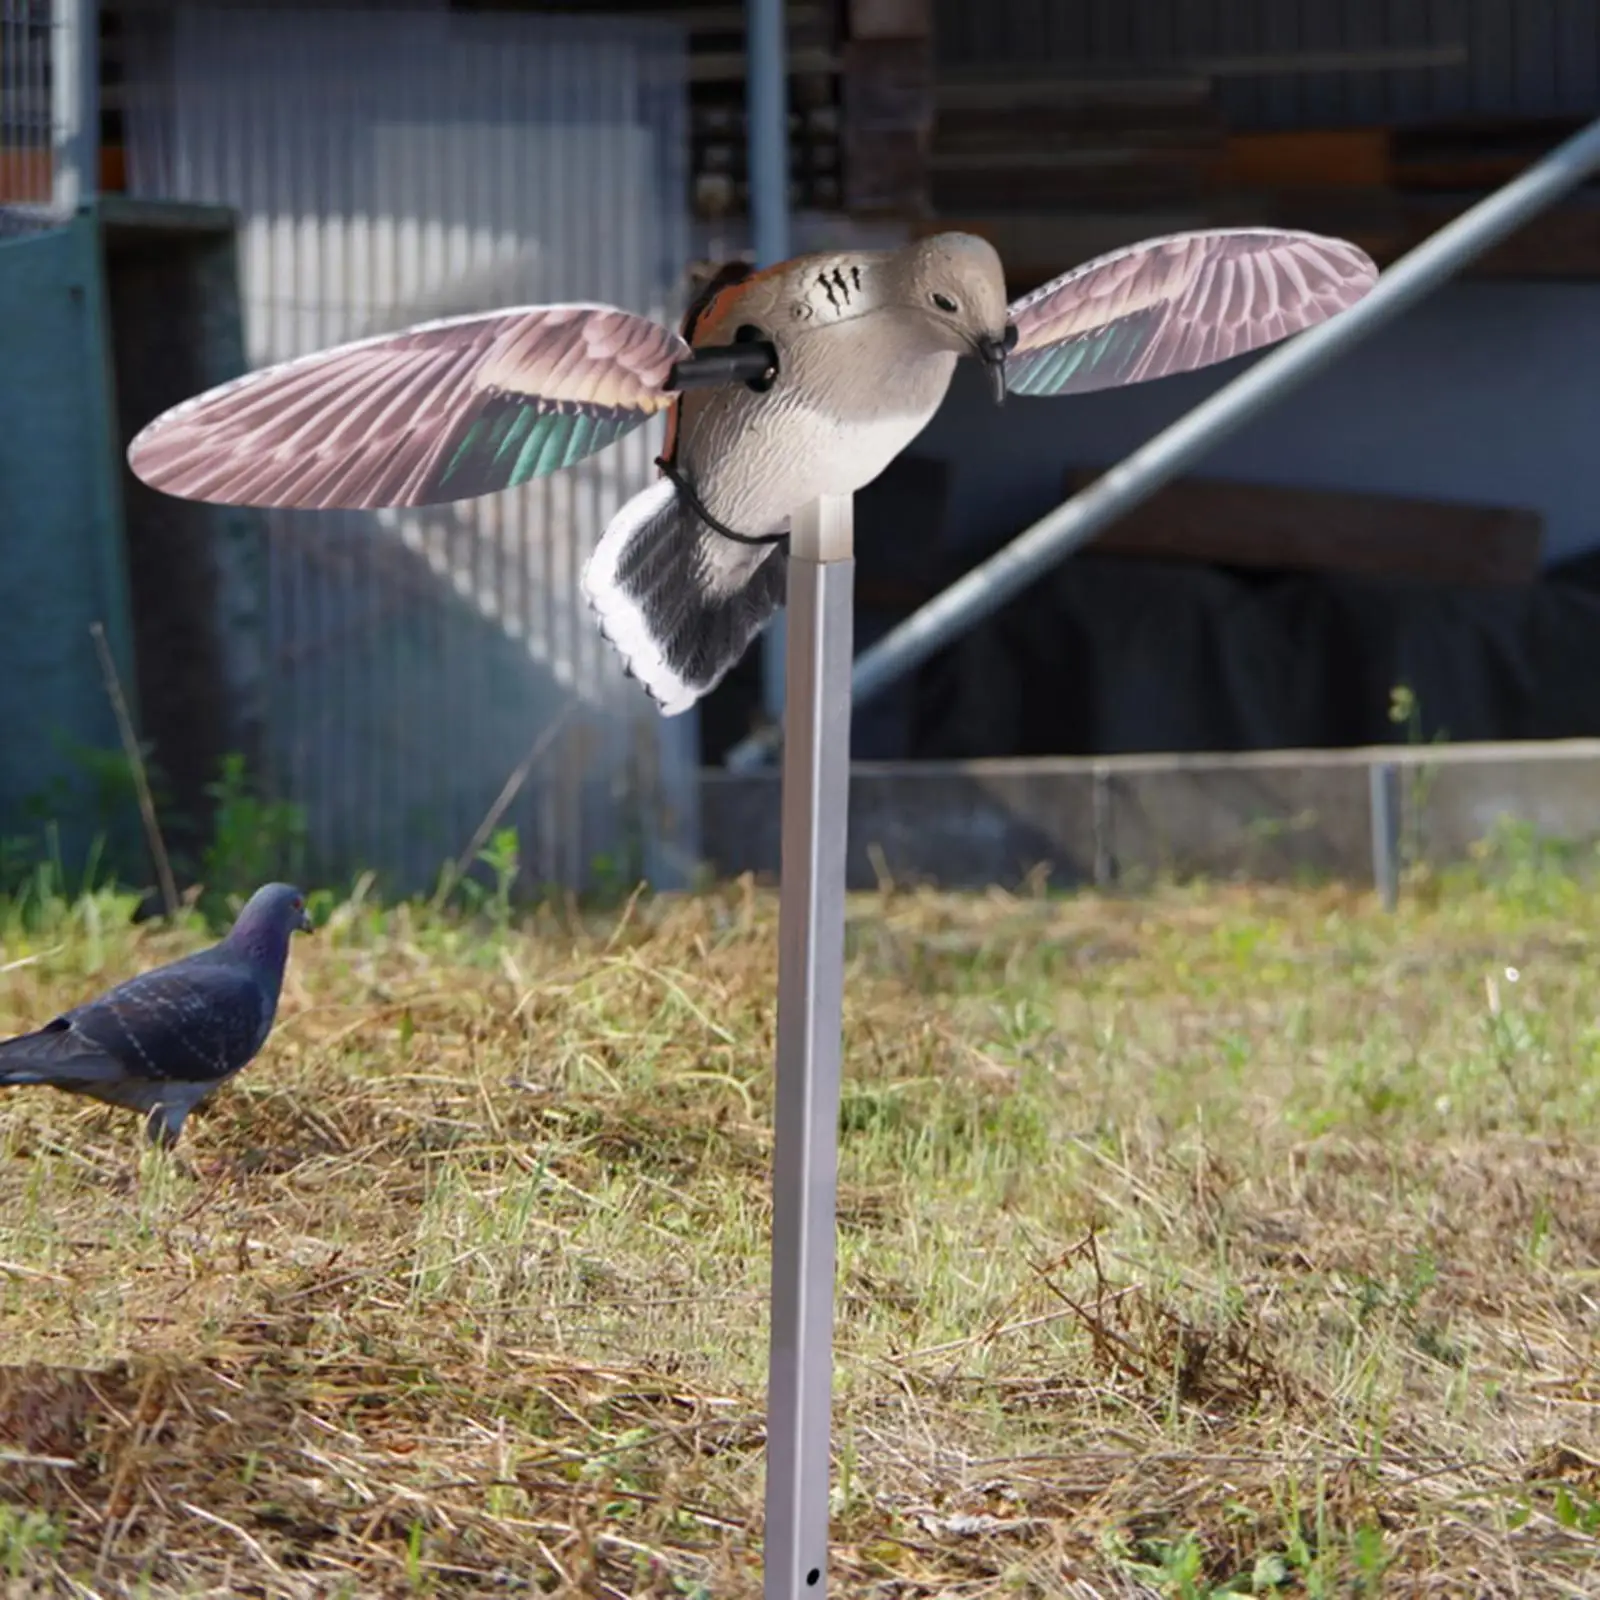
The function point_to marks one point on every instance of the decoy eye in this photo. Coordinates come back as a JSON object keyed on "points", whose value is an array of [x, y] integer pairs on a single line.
{"points": [[944, 302]]}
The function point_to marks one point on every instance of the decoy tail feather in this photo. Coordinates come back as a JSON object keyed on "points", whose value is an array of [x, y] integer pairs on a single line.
{"points": [[679, 602]]}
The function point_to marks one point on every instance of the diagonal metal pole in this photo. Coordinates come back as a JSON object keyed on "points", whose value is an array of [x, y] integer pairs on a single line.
{"points": [[1416, 274], [816, 798]]}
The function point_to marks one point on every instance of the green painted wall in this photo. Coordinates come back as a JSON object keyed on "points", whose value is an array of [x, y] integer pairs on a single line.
{"points": [[61, 551]]}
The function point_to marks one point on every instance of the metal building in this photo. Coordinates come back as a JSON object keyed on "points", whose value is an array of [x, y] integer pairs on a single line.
{"points": [[387, 166]]}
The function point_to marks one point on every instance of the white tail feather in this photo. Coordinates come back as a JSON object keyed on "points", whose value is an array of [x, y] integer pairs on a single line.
{"points": [[621, 619]]}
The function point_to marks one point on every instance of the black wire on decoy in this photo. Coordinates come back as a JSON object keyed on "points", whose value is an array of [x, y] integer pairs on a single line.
{"points": [[684, 488]]}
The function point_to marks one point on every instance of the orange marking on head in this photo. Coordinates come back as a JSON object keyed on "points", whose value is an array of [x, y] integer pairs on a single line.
{"points": [[707, 322], [719, 315], [730, 272]]}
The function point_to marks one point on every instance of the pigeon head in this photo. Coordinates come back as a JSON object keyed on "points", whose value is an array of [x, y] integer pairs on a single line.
{"points": [[957, 282], [270, 916]]}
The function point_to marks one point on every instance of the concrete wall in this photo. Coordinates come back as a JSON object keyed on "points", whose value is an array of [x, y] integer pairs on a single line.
{"points": [[1121, 820], [1483, 393]]}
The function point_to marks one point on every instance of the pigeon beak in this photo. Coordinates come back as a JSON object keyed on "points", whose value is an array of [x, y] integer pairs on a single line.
{"points": [[992, 353], [305, 924]]}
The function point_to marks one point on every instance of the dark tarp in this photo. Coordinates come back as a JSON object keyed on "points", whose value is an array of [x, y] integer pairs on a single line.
{"points": [[1108, 655]]}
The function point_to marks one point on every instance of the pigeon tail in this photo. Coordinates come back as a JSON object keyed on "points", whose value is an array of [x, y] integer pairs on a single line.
{"points": [[56, 1056], [679, 602]]}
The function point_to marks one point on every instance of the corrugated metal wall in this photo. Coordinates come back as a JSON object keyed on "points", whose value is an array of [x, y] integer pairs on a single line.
{"points": [[27, 122], [1515, 57], [388, 167]]}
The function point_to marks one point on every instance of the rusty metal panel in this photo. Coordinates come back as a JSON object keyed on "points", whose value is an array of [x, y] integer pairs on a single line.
{"points": [[389, 167], [33, 35]]}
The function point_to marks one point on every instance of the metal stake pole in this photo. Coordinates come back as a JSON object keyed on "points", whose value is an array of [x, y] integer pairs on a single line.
{"points": [[816, 797], [766, 99], [1384, 782]]}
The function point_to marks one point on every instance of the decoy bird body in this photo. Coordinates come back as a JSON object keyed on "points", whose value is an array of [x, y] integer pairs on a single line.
{"points": [[161, 1042], [688, 571], [867, 344]]}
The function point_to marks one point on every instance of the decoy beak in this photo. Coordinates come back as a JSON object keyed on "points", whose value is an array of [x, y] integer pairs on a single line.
{"points": [[992, 353]]}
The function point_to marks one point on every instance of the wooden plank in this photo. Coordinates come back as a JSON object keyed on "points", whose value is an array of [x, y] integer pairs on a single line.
{"points": [[1099, 120], [886, 172], [1037, 246], [886, 94], [1224, 523], [694, 15], [1011, 93], [1129, 183], [891, 19], [1333, 157], [1187, 74], [1475, 155], [1038, 242], [730, 66], [887, 83], [1562, 242]]}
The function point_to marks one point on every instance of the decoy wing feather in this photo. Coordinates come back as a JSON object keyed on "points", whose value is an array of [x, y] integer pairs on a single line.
{"points": [[444, 411], [1177, 303]]}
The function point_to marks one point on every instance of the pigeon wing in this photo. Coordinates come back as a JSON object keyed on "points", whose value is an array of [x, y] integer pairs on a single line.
{"points": [[1177, 303], [444, 411], [195, 1024]]}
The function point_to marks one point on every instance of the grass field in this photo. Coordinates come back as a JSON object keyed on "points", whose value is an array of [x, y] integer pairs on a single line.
{"points": [[1225, 1240]]}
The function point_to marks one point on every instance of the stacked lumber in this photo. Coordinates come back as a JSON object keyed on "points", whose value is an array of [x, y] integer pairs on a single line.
{"points": [[1017, 144], [887, 100], [1057, 165], [718, 125], [1385, 189], [1388, 189]]}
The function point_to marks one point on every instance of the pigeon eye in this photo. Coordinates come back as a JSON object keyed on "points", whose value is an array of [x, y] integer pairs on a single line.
{"points": [[944, 302]]}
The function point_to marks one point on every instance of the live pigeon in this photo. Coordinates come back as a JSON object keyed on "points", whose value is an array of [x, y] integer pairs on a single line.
{"points": [[866, 342], [161, 1042]]}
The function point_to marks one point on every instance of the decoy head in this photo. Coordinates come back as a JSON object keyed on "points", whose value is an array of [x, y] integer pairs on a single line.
{"points": [[957, 281]]}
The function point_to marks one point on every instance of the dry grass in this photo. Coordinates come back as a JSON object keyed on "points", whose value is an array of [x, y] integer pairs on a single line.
{"points": [[1227, 1240]]}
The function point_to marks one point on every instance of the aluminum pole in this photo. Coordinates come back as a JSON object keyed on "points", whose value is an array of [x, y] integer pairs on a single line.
{"points": [[74, 103], [988, 586], [816, 798], [767, 141]]}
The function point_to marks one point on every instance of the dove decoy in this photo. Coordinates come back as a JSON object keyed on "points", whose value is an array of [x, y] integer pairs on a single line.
{"points": [[858, 350], [163, 1041]]}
